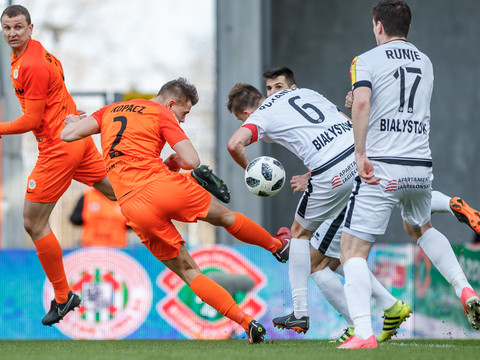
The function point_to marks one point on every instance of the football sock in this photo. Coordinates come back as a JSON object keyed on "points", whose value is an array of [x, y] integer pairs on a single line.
{"points": [[246, 230], [438, 249], [440, 203], [299, 272], [217, 297], [49, 253], [332, 289], [384, 299], [358, 291]]}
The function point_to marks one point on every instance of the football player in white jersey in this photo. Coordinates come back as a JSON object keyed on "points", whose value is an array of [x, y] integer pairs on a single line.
{"points": [[392, 86], [326, 239], [313, 129], [325, 253]]}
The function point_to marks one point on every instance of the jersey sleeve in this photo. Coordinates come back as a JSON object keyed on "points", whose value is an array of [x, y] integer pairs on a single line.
{"points": [[35, 81], [171, 130], [98, 115], [253, 129], [257, 125], [360, 73]]}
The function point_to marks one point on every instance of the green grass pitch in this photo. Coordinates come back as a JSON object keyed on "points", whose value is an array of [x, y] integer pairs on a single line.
{"points": [[234, 349]]}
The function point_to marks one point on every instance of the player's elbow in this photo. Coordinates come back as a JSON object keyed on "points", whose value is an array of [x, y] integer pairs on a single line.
{"points": [[191, 162], [234, 146], [361, 104]]}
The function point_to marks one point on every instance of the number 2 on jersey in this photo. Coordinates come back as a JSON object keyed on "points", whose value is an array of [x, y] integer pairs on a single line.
{"points": [[115, 153]]}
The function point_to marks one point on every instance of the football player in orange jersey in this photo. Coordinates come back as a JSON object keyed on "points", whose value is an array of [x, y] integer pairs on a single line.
{"points": [[38, 81], [152, 193]]}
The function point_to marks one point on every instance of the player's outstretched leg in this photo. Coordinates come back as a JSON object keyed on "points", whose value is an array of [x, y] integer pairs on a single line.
{"points": [[212, 183], [471, 306], [247, 231], [219, 298], [292, 323], [465, 213], [58, 311], [393, 318]]}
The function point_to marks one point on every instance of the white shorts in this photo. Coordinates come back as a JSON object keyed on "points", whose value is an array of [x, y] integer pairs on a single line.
{"points": [[408, 187], [326, 238], [327, 194]]}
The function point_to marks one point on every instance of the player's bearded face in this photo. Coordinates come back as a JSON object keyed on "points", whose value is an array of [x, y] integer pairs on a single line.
{"points": [[16, 32]]}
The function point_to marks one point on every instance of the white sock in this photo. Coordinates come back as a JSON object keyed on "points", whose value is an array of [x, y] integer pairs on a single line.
{"points": [[332, 289], [358, 291], [384, 299], [438, 249], [440, 203], [299, 272]]}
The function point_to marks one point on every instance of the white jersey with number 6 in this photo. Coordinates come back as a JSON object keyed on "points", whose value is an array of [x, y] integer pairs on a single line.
{"points": [[307, 124], [401, 79]]}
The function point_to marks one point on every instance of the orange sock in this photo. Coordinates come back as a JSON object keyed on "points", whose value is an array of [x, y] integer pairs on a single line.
{"points": [[250, 232], [50, 254], [219, 298]]}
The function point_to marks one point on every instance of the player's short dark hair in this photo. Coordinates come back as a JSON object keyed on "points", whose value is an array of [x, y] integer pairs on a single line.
{"points": [[180, 89], [279, 71], [395, 16], [15, 10], [243, 96]]}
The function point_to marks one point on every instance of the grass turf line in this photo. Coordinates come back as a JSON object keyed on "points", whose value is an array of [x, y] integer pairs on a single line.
{"points": [[233, 350]]}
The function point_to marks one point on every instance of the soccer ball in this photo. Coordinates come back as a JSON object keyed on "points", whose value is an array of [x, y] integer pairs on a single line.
{"points": [[265, 176]]}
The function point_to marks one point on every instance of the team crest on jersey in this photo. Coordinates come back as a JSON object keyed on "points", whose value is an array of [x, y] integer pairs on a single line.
{"points": [[184, 311], [115, 290], [32, 184], [15, 74]]}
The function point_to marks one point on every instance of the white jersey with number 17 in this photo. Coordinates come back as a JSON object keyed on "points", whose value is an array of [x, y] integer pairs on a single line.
{"points": [[401, 79]]}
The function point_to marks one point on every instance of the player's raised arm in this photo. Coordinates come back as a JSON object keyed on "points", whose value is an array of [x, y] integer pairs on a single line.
{"points": [[237, 143], [77, 128], [187, 155]]}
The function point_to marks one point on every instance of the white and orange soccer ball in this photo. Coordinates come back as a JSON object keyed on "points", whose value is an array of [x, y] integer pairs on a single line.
{"points": [[264, 176]]}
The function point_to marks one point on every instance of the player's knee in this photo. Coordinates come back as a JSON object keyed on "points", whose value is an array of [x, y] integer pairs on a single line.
{"points": [[31, 226]]}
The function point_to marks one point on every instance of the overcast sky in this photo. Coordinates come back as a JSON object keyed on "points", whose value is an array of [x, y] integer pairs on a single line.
{"points": [[123, 45]]}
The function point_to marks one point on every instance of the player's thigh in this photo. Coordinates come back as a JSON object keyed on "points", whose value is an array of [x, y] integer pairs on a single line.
{"points": [[105, 187], [219, 215], [415, 204], [370, 206], [176, 198], [326, 238], [156, 231], [52, 174], [91, 168], [326, 196]]}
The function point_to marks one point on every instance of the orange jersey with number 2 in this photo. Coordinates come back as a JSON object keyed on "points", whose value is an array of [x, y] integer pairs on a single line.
{"points": [[150, 195], [133, 135]]}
